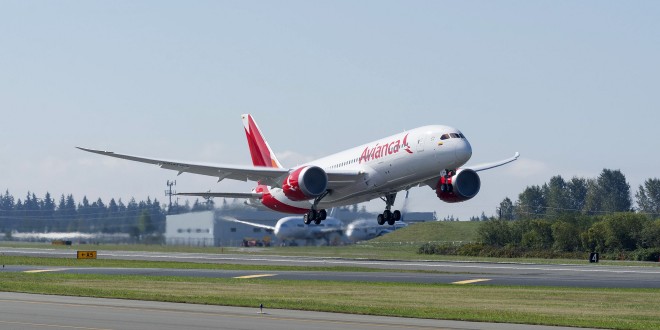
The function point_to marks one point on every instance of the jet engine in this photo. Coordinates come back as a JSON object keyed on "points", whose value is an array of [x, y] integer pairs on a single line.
{"points": [[305, 183], [459, 187]]}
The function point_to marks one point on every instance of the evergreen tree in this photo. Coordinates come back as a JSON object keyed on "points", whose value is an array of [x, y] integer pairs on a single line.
{"points": [[576, 190], [593, 200], [615, 190], [556, 196], [7, 208], [112, 223], [648, 198], [48, 213], [505, 210], [531, 203], [144, 224]]}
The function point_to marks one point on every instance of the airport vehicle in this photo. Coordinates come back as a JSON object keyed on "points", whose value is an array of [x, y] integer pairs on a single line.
{"points": [[431, 156]]}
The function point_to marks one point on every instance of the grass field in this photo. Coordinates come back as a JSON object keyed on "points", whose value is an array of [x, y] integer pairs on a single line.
{"points": [[434, 231], [372, 250], [602, 308]]}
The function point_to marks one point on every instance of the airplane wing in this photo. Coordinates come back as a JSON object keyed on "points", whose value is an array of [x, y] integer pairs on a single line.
{"points": [[221, 194], [269, 175], [488, 166], [257, 225], [480, 167]]}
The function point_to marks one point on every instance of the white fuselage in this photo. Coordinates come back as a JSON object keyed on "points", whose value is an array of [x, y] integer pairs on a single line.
{"points": [[361, 230], [391, 164], [291, 228]]}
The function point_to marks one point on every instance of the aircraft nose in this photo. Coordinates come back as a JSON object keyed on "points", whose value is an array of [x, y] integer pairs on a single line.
{"points": [[463, 152]]}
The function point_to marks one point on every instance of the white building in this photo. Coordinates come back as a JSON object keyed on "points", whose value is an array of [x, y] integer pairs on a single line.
{"points": [[191, 229], [208, 228]]}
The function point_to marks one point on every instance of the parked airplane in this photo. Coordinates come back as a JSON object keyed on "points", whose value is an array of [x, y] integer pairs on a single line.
{"points": [[426, 156], [363, 229], [294, 228]]}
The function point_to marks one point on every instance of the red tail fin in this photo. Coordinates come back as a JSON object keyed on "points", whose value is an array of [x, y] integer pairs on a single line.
{"points": [[260, 151]]}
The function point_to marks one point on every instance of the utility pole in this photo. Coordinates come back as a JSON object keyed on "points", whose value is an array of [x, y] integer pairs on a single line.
{"points": [[169, 193]]}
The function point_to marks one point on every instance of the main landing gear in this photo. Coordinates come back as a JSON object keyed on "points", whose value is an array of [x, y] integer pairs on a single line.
{"points": [[316, 215], [389, 216]]}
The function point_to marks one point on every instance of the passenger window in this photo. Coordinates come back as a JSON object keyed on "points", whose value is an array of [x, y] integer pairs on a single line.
{"points": [[444, 137]]}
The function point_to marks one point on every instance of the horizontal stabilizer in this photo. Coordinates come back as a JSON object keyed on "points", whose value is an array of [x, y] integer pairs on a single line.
{"points": [[221, 194]]}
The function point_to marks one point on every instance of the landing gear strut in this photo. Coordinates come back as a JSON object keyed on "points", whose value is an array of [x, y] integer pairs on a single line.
{"points": [[389, 216], [316, 215]]}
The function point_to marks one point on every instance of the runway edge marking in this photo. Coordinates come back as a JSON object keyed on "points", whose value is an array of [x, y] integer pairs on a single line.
{"points": [[477, 280], [43, 270], [255, 276]]}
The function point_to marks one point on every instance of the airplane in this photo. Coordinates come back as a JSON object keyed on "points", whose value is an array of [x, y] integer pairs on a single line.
{"points": [[294, 228], [432, 156], [364, 229]]}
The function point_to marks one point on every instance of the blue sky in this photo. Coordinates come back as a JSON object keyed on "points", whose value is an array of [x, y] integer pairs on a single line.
{"points": [[573, 86]]}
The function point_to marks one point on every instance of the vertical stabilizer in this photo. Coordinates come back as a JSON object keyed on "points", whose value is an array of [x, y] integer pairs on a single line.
{"points": [[260, 151]]}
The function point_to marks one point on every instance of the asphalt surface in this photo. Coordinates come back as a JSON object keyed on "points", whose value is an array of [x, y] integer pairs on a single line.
{"points": [[38, 312], [473, 273]]}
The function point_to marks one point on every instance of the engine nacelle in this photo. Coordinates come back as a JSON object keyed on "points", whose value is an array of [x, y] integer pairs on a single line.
{"points": [[305, 183], [460, 187]]}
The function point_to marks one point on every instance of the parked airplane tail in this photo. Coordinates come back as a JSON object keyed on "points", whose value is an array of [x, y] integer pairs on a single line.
{"points": [[262, 154]]}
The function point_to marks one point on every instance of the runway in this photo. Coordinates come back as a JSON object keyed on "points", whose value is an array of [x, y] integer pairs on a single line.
{"points": [[38, 312], [475, 273]]}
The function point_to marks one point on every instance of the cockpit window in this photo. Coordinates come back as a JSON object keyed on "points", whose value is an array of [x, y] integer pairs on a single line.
{"points": [[444, 137], [461, 135], [454, 135]]}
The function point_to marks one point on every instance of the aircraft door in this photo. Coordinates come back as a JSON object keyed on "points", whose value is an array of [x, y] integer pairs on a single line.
{"points": [[421, 140]]}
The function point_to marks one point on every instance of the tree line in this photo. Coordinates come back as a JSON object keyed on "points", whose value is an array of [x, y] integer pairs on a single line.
{"points": [[570, 218], [608, 193], [33, 214]]}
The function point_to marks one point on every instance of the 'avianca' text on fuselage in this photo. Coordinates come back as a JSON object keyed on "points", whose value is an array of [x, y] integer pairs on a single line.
{"points": [[379, 169], [379, 151]]}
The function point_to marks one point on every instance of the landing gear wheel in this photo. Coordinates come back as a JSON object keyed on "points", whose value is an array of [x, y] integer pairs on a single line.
{"points": [[317, 221], [391, 221], [306, 219], [322, 215], [396, 215], [381, 219], [312, 215], [387, 215]]}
